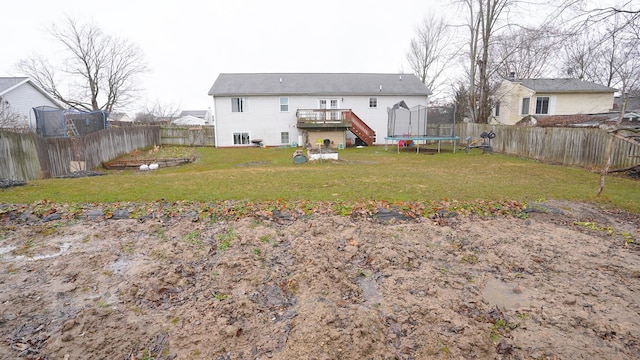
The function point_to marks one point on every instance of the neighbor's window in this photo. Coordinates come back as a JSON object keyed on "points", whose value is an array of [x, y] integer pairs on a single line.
{"points": [[284, 137], [525, 106], [373, 102], [241, 138], [238, 104], [284, 104], [542, 105]]}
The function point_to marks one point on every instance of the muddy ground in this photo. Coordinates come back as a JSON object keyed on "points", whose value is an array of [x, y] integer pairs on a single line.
{"points": [[560, 283]]}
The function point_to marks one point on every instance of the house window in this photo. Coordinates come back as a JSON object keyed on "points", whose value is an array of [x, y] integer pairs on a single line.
{"points": [[238, 104], [335, 115], [497, 109], [373, 102], [284, 137], [241, 138], [525, 106], [542, 105], [284, 104]]}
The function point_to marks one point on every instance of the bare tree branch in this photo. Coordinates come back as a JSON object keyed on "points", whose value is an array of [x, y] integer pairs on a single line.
{"points": [[99, 73], [430, 51], [9, 119]]}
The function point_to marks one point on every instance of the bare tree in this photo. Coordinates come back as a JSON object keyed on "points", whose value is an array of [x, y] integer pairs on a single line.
{"points": [[100, 71], [430, 51], [158, 112], [9, 119], [525, 52], [626, 66], [585, 14], [483, 17], [614, 48], [579, 57]]}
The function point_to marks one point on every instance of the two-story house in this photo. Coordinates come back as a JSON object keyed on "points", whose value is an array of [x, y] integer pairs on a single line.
{"points": [[279, 109], [519, 98]]}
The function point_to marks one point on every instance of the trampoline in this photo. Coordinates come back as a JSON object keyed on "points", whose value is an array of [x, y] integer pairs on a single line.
{"points": [[416, 140], [409, 126]]}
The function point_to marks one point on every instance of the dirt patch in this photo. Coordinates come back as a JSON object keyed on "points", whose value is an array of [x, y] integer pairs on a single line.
{"points": [[562, 282]]}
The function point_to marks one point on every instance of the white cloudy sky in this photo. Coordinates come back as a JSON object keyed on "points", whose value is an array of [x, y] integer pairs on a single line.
{"points": [[188, 43]]}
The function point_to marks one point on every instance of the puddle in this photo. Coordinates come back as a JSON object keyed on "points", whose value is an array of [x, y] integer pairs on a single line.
{"points": [[500, 294], [64, 247], [120, 266], [6, 249], [370, 290]]}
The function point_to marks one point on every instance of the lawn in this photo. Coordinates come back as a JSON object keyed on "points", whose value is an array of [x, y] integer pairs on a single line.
{"points": [[370, 173]]}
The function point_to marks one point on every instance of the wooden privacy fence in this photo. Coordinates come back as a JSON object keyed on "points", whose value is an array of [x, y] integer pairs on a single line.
{"points": [[19, 156], [585, 148], [188, 135], [30, 156]]}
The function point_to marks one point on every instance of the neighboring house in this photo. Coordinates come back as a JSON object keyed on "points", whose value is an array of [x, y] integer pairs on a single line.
{"points": [[516, 99], [21, 95], [188, 120], [200, 114], [278, 109], [632, 107], [123, 117]]}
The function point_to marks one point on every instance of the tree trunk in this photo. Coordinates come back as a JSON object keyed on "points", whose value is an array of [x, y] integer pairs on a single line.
{"points": [[606, 166]]}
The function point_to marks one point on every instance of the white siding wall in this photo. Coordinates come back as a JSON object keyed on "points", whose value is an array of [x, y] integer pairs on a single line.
{"points": [[262, 118], [24, 98]]}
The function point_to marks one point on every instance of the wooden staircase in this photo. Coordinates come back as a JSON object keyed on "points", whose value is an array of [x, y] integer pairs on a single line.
{"points": [[360, 129]]}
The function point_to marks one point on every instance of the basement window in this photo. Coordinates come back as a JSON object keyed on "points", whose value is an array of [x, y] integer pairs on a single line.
{"points": [[241, 138], [284, 137]]}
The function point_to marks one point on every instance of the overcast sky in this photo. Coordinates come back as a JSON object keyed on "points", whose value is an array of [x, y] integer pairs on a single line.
{"points": [[188, 43]]}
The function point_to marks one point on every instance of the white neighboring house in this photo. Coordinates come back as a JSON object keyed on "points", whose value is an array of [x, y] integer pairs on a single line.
{"points": [[188, 120], [304, 108], [21, 95], [117, 116], [205, 115]]}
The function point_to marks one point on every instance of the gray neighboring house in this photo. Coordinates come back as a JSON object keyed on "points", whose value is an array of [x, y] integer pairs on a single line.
{"points": [[632, 109], [289, 109], [21, 95]]}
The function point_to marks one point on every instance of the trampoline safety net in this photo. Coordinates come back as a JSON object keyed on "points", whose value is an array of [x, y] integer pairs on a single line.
{"points": [[418, 121], [405, 121], [52, 122]]}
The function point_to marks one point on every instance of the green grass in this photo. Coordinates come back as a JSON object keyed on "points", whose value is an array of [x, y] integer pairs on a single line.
{"points": [[371, 173]]}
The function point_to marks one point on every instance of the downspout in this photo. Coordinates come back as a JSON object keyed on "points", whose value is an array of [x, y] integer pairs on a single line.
{"points": [[215, 122]]}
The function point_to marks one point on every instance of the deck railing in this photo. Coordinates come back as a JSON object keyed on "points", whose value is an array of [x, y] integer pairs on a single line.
{"points": [[324, 117]]}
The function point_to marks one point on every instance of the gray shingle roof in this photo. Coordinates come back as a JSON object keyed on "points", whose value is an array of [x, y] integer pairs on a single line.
{"points": [[564, 85], [9, 82], [336, 84]]}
